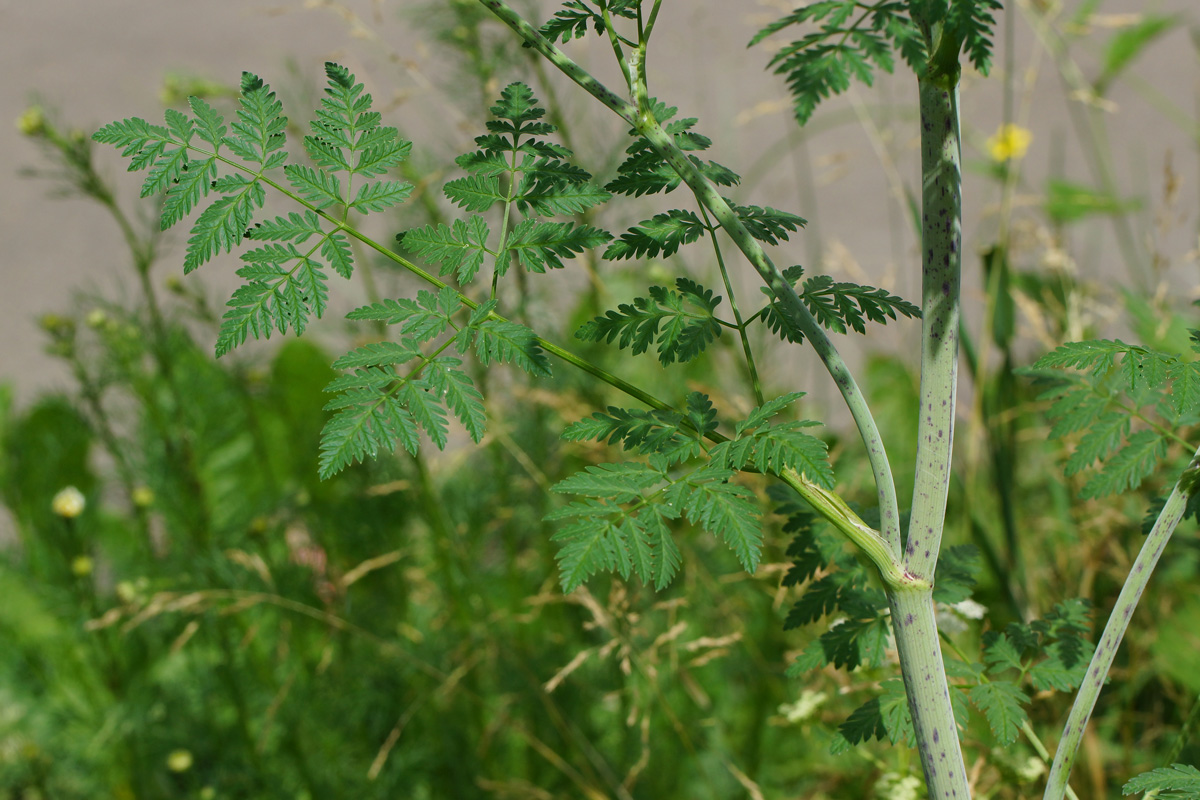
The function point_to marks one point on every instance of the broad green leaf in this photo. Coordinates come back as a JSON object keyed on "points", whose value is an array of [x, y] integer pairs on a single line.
{"points": [[726, 510], [1128, 43], [474, 192], [1069, 202], [505, 342]]}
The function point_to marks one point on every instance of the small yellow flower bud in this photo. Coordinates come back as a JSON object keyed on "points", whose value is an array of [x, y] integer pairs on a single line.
{"points": [[96, 317], [142, 496], [32, 121], [81, 566], [179, 760], [68, 503]]}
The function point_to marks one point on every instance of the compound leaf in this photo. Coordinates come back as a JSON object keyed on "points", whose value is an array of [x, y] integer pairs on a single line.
{"points": [[1177, 782], [378, 195], [503, 342], [663, 234], [460, 394], [458, 249], [541, 245], [1001, 703]]}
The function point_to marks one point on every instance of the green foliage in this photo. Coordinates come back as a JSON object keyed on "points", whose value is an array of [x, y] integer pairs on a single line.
{"points": [[665, 233], [1067, 201], [645, 172], [852, 40], [1098, 389], [283, 284], [571, 21], [838, 306], [845, 591], [623, 526], [1178, 782], [378, 407], [681, 322], [517, 169], [775, 447], [1128, 43]]}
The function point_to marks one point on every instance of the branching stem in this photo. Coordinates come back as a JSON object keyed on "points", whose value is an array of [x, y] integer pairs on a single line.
{"points": [[644, 122]]}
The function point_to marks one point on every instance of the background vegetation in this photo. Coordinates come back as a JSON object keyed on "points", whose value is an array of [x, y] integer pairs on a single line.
{"points": [[207, 619]]}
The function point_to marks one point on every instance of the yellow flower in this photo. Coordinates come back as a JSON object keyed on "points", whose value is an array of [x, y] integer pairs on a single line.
{"points": [[1010, 143], [68, 503], [81, 566], [142, 496], [32, 121], [179, 760]]}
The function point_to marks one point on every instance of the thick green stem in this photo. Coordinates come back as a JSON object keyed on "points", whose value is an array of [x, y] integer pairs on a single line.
{"points": [[912, 611], [1114, 631], [941, 235], [928, 693], [643, 121]]}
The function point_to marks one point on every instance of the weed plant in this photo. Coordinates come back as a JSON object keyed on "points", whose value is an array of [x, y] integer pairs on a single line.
{"points": [[270, 605]]}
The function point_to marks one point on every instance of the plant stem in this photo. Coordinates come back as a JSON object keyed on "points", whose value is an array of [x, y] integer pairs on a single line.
{"points": [[643, 121], [913, 620], [941, 234], [1114, 631], [751, 366], [920, 653]]}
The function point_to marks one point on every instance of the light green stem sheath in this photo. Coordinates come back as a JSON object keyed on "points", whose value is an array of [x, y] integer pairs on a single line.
{"points": [[941, 234], [913, 618], [1114, 631], [643, 121]]}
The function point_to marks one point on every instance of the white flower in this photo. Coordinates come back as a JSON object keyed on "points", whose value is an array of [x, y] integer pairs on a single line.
{"points": [[68, 503], [893, 786], [180, 760], [1031, 770], [805, 707], [970, 609]]}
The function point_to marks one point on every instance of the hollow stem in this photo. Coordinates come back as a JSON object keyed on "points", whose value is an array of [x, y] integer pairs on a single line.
{"points": [[1114, 631]]}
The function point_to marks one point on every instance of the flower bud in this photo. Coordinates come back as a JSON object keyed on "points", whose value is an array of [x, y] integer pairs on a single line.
{"points": [[32, 121], [68, 503]]}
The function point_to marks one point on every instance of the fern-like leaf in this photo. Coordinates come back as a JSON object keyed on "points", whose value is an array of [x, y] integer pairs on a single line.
{"points": [[504, 342], [724, 509], [1176, 782], [1002, 704], [850, 42], [663, 234], [458, 249], [541, 245], [680, 322], [460, 394]]}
